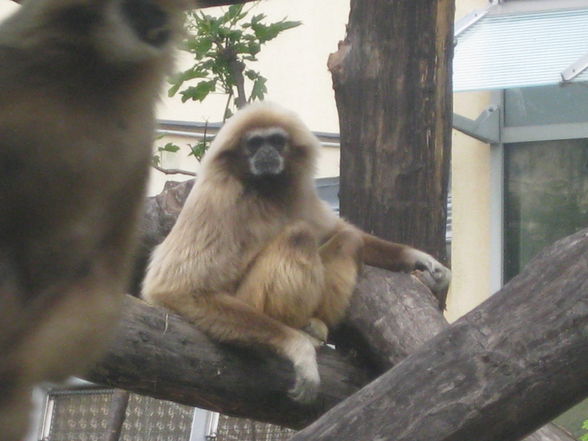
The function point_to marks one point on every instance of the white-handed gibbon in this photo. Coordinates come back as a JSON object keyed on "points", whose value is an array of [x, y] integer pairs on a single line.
{"points": [[78, 84], [256, 258]]}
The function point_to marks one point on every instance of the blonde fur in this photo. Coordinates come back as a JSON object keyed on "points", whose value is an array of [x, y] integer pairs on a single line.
{"points": [[254, 260], [76, 129]]}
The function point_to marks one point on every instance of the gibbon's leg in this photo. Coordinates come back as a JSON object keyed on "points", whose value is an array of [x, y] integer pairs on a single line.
{"points": [[286, 279], [341, 256], [225, 318]]}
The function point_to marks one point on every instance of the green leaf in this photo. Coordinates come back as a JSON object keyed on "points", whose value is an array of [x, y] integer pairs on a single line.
{"points": [[266, 33], [284, 25], [200, 46], [198, 150], [169, 147], [251, 74], [198, 92], [232, 14], [178, 80], [259, 89], [257, 18]]}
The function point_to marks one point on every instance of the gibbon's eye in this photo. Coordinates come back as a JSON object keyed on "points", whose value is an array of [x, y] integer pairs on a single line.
{"points": [[78, 18], [254, 143], [278, 141], [148, 20]]}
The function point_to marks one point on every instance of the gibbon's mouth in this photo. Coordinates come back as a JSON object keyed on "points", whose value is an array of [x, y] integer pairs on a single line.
{"points": [[267, 169], [148, 20]]}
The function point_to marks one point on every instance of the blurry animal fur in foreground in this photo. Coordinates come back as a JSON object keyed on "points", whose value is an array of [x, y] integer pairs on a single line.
{"points": [[78, 83]]}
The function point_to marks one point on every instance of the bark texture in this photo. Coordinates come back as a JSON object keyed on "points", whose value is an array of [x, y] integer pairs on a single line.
{"points": [[390, 316], [500, 372], [392, 84], [158, 354]]}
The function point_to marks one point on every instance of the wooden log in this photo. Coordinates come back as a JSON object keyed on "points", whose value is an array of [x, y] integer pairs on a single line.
{"points": [[500, 372], [551, 432], [158, 354], [390, 316]]}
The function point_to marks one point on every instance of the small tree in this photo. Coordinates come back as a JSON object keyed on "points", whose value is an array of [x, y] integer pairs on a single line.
{"points": [[224, 49]]}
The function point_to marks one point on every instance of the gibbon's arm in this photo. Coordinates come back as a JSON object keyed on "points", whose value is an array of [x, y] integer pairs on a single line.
{"points": [[399, 257]]}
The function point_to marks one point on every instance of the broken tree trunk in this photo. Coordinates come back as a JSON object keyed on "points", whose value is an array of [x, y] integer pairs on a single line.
{"points": [[500, 372], [392, 85]]}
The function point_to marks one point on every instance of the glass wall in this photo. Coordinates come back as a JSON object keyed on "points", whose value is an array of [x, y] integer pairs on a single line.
{"points": [[546, 196]]}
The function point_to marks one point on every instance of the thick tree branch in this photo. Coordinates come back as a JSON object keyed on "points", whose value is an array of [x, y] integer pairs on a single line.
{"points": [[500, 372], [390, 317], [156, 353]]}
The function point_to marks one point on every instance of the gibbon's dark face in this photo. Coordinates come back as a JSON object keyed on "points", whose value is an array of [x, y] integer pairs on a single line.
{"points": [[265, 151], [148, 20]]}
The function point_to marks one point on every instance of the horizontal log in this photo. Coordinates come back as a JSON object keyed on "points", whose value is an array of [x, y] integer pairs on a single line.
{"points": [[551, 432], [158, 354], [502, 371], [390, 316]]}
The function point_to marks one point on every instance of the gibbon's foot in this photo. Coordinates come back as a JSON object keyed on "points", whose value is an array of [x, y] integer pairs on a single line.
{"points": [[435, 275], [303, 357], [317, 331]]}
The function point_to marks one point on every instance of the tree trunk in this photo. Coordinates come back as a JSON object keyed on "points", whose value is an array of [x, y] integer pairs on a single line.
{"points": [[392, 84], [503, 370]]}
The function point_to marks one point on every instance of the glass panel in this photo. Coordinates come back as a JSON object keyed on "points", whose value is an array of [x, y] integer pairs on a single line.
{"points": [[546, 196], [532, 106], [83, 416], [238, 429]]}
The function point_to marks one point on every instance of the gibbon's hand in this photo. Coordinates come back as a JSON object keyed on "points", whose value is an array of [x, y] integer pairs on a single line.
{"points": [[434, 275], [303, 357]]}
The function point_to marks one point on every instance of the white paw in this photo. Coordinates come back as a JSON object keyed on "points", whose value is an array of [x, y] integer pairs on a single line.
{"points": [[437, 277], [306, 385]]}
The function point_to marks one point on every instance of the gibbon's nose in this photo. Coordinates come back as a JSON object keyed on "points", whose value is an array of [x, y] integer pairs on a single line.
{"points": [[267, 161]]}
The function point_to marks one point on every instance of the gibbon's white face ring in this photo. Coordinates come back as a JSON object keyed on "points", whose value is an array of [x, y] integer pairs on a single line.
{"points": [[265, 149]]}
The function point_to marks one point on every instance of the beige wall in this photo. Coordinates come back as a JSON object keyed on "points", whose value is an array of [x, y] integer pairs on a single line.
{"points": [[470, 188], [295, 64], [7, 7]]}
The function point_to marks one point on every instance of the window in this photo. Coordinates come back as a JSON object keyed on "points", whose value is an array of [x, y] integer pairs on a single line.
{"points": [[546, 196], [82, 415]]}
